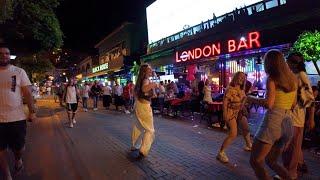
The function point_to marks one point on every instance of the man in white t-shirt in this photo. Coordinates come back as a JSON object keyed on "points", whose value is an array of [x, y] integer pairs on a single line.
{"points": [[85, 96], [106, 96], [14, 84], [117, 92], [71, 98]]}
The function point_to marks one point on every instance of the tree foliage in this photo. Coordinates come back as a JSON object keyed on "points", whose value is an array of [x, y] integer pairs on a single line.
{"points": [[35, 65], [31, 21], [308, 44]]}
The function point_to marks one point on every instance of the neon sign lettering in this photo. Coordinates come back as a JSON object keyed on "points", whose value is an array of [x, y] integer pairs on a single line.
{"points": [[100, 68], [252, 41]]}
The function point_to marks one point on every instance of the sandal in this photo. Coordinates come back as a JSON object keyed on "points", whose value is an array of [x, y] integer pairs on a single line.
{"points": [[18, 169]]}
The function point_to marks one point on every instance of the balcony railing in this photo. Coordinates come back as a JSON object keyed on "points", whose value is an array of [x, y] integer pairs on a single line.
{"points": [[228, 17]]}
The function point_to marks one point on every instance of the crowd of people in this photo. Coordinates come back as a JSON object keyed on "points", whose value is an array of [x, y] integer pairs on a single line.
{"points": [[291, 106], [291, 102]]}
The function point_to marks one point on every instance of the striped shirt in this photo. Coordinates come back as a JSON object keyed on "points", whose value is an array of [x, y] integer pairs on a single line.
{"points": [[11, 105]]}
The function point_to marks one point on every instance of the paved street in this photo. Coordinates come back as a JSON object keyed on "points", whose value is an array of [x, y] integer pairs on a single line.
{"points": [[96, 148]]}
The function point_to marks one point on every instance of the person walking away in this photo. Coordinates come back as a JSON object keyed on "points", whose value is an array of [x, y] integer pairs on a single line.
{"points": [[95, 91], [143, 129], [293, 155], [162, 92], [117, 90], [60, 92], [71, 98], [126, 97], [14, 84], [131, 90], [106, 90], [85, 96], [233, 100], [276, 129], [207, 92]]}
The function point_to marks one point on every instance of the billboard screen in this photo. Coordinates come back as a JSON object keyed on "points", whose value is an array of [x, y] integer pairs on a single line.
{"points": [[167, 17]]}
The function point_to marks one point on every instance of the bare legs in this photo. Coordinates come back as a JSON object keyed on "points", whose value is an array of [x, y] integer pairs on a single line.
{"points": [[261, 153], [4, 165], [231, 135], [243, 121]]}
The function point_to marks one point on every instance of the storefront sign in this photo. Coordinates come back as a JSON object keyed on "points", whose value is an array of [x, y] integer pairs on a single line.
{"points": [[232, 45], [100, 68]]}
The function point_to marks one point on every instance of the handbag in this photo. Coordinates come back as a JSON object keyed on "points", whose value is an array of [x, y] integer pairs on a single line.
{"points": [[305, 95]]}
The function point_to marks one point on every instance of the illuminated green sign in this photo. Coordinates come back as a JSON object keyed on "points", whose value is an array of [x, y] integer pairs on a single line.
{"points": [[100, 68]]}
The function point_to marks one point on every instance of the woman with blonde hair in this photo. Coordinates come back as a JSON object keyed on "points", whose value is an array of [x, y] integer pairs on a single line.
{"points": [[276, 129], [233, 101], [143, 128]]}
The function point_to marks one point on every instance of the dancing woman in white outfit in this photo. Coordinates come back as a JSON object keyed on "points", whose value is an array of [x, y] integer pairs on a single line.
{"points": [[143, 129]]}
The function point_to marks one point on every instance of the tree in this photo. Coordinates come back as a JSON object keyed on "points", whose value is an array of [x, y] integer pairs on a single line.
{"points": [[33, 23], [36, 66], [308, 44]]}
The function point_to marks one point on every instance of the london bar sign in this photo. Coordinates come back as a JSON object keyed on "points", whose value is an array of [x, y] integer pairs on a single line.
{"points": [[232, 45], [100, 68]]}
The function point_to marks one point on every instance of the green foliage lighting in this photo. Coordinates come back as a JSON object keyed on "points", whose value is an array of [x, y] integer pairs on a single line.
{"points": [[308, 44]]}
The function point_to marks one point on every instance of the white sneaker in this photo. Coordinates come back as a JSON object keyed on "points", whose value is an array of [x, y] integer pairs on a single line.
{"points": [[222, 157], [74, 121], [247, 148], [95, 109], [71, 125], [216, 125], [127, 112], [85, 110]]}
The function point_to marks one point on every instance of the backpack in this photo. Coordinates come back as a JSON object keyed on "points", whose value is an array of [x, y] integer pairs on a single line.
{"points": [[305, 94]]}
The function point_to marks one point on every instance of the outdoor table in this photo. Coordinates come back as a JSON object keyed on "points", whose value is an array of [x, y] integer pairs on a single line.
{"points": [[178, 103], [215, 109]]}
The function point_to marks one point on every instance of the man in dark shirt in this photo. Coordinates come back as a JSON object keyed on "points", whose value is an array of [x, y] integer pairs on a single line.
{"points": [[95, 91]]}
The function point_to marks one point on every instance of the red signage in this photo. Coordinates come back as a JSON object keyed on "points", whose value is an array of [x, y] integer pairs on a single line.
{"points": [[250, 42]]}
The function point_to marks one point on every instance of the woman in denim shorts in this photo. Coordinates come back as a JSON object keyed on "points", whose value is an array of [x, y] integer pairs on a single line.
{"points": [[276, 129]]}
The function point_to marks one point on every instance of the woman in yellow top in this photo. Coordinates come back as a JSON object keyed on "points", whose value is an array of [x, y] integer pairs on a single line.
{"points": [[233, 101], [276, 129]]}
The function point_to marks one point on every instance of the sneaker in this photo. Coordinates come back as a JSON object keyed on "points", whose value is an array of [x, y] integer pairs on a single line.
{"points": [[247, 148], [95, 109], [85, 110], [225, 127], [18, 168], [71, 125], [277, 177], [74, 121], [127, 112], [222, 157], [216, 125]]}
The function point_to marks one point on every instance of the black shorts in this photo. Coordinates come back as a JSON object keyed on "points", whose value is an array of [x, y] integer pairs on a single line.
{"points": [[72, 107], [13, 135]]}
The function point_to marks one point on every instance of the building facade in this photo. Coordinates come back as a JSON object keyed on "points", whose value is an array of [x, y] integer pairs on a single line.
{"points": [[236, 41]]}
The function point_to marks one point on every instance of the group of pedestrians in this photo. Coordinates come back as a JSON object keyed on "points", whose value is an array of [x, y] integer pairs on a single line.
{"points": [[289, 97], [288, 100]]}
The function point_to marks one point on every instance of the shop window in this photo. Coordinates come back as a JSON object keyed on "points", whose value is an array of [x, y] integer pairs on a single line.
{"points": [[283, 2], [196, 29], [271, 4], [259, 7], [249, 10]]}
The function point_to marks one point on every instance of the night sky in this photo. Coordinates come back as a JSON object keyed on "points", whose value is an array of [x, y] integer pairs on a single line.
{"points": [[85, 23]]}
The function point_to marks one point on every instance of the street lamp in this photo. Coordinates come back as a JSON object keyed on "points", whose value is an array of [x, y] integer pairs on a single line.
{"points": [[13, 57], [64, 73]]}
